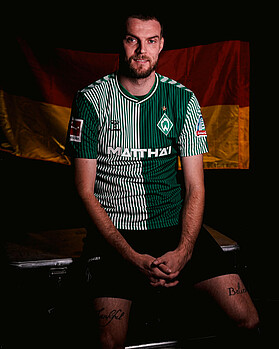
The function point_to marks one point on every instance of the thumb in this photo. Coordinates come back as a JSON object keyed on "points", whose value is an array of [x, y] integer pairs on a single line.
{"points": [[157, 261], [160, 263]]}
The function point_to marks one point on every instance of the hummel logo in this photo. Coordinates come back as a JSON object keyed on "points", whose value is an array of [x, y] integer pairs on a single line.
{"points": [[165, 124], [115, 125]]}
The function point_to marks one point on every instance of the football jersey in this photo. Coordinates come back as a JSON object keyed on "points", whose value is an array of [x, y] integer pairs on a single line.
{"points": [[136, 141]]}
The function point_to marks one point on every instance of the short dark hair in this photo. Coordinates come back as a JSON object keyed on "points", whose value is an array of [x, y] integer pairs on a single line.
{"points": [[144, 16]]}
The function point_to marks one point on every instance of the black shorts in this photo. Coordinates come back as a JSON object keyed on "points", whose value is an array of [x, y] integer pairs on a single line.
{"points": [[111, 276]]}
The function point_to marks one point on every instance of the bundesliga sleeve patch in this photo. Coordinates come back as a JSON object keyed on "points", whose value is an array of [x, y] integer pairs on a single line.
{"points": [[201, 128], [75, 131]]}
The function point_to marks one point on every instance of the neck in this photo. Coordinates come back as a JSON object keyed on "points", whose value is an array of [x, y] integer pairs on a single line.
{"points": [[137, 87]]}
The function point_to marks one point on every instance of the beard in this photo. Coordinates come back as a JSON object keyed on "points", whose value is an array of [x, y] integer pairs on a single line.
{"points": [[126, 67]]}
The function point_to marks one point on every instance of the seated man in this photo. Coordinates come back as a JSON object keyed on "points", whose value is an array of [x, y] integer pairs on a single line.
{"points": [[127, 130]]}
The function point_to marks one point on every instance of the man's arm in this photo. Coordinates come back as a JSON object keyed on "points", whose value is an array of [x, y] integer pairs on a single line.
{"points": [[193, 209], [192, 216], [85, 174]]}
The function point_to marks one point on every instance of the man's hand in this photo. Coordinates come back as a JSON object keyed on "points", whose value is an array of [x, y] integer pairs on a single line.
{"points": [[158, 275], [174, 262]]}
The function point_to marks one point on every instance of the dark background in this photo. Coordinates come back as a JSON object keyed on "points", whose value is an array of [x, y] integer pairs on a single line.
{"points": [[39, 195]]}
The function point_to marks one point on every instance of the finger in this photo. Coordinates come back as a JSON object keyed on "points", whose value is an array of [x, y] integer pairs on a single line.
{"points": [[163, 283], [161, 264], [158, 283], [174, 275], [157, 261], [153, 280], [158, 274], [165, 269], [171, 284]]}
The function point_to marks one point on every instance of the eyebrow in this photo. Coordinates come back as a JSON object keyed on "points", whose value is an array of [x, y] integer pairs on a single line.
{"points": [[151, 37]]}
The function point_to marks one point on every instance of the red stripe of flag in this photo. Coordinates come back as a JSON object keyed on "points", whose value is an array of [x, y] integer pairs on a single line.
{"points": [[218, 73]]}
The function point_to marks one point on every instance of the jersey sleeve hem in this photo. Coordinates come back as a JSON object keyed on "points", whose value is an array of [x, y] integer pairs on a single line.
{"points": [[82, 139], [193, 138]]}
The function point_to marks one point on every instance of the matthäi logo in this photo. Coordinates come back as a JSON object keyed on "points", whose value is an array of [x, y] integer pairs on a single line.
{"points": [[165, 124]]}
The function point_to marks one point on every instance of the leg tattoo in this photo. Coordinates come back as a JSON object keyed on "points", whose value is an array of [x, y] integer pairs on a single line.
{"points": [[115, 314]]}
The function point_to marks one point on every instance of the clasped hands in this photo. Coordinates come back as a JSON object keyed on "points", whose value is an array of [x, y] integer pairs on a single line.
{"points": [[163, 271]]}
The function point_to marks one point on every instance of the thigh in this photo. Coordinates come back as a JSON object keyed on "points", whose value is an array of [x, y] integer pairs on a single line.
{"points": [[113, 317], [232, 296]]}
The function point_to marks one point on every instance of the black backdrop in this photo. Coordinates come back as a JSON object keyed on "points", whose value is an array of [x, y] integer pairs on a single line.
{"points": [[39, 195]]}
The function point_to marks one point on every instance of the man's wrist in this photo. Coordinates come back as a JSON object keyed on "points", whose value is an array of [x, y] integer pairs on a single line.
{"points": [[133, 257], [185, 247]]}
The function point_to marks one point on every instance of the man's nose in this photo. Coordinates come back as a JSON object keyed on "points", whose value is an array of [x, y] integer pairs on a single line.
{"points": [[141, 47]]}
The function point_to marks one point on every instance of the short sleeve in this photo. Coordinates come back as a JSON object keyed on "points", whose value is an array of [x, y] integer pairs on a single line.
{"points": [[193, 138], [82, 139]]}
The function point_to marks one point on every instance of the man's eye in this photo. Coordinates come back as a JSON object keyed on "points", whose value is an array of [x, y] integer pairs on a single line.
{"points": [[131, 40], [152, 41]]}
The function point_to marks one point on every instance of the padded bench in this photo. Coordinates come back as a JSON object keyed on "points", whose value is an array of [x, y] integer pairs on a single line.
{"points": [[60, 247], [55, 251]]}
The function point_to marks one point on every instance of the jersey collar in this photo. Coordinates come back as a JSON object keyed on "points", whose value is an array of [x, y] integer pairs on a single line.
{"points": [[128, 95]]}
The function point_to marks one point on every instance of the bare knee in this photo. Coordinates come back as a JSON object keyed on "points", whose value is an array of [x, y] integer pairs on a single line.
{"points": [[113, 317], [107, 341], [249, 320]]}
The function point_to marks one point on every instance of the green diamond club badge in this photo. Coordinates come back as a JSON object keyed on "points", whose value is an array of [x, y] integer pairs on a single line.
{"points": [[165, 124]]}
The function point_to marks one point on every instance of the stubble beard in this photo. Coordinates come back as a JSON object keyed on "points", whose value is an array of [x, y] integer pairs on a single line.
{"points": [[126, 67]]}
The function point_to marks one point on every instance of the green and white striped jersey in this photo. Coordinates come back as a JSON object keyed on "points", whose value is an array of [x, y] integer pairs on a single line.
{"points": [[136, 142]]}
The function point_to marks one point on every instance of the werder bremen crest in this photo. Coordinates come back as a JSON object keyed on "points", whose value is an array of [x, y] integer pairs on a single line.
{"points": [[165, 124]]}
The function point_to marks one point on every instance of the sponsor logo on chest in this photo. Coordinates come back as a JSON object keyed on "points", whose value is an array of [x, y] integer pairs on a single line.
{"points": [[139, 153]]}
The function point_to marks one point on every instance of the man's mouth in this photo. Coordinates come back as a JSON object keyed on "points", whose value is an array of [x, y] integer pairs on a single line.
{"points": [[141, 60]]}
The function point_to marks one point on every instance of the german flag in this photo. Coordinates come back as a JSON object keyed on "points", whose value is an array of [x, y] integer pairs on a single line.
{"points": [[39, 83]]}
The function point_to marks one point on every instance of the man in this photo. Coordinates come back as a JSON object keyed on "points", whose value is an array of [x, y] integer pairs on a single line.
{"points": [[127, 130]]}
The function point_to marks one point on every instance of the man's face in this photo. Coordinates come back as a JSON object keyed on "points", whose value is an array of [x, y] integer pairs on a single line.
{"points": [[142, 45]]}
